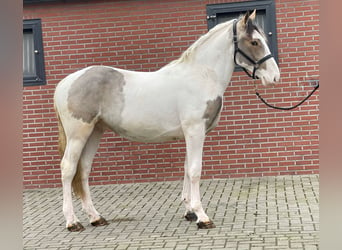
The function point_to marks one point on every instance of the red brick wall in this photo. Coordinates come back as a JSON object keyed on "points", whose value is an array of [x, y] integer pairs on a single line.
{"points": [[250, 140]]}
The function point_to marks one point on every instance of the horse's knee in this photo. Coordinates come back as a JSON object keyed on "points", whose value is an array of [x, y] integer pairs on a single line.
{"points": [[194, 175]]}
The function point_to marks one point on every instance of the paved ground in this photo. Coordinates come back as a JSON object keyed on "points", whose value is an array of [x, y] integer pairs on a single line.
{"points": [[250, 213]]}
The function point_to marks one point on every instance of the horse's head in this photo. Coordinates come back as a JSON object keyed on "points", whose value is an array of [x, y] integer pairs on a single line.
{"points": [[252, 52]]}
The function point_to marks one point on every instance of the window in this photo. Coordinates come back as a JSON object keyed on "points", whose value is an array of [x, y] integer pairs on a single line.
{"points": [[33, 56], [218, 13]]}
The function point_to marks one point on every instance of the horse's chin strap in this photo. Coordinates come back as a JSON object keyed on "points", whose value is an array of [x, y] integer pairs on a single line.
{"points": [[256, 64]]}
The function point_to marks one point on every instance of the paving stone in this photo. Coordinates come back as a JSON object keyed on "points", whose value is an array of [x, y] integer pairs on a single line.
{"points": [[249, 213]]}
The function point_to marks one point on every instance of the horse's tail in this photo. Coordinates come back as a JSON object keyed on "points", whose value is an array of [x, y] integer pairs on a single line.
{"points": [[77, 180]]}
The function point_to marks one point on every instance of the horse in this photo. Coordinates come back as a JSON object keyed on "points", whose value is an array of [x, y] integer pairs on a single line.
{"points": [[181, 100]]}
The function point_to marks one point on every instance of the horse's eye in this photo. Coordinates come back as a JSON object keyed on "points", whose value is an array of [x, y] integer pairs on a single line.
{"points": [[254, 43]]}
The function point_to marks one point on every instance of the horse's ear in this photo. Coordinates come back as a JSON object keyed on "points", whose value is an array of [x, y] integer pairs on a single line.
{"points": [[252, 16], [246, 23], [249, 17], [246, 17]]}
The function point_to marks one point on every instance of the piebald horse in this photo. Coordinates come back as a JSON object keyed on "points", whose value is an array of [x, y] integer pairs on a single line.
{"points": [[182, 100]]}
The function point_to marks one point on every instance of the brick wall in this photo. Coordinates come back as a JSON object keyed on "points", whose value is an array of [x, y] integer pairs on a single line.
{"points": [[250, 140]]}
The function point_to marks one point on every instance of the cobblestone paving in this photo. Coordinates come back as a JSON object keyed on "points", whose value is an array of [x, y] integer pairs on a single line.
{"points": [[249, 213]]}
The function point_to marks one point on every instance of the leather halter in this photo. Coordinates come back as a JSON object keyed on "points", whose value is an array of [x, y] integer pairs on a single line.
{"points": [[256, 64]]}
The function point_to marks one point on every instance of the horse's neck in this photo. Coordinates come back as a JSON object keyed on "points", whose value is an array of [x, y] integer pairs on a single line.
{"points": [[214, 52]]}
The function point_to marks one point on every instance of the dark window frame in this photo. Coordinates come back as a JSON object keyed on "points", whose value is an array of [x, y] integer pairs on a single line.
{"points": [[34, 26], [46, 1], [268, 6]]}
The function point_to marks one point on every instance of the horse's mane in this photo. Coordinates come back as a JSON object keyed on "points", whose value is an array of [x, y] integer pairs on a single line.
{"points": [[186, 55]]}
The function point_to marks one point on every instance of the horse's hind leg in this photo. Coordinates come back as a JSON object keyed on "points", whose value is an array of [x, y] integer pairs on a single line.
{"points": [[68, 168], [77, 136], [86, 160]]}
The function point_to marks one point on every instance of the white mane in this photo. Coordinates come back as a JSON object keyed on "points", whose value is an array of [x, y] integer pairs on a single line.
{"points": [[186, 55]]}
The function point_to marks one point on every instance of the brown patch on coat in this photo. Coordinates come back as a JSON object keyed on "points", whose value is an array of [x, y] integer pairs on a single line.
{"points": [[97, 88], [212, 112]]}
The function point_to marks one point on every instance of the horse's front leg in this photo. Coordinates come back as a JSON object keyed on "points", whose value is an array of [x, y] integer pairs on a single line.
{"points": [[194, 136], [186, 195]]}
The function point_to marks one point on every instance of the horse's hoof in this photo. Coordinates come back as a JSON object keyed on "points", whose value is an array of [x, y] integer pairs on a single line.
{"points": [[76, 227], [100, 222], [206, 225], [190, 216]]}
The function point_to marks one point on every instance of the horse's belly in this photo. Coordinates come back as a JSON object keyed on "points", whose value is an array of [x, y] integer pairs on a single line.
{"points": [[146, 133], [145, 126]]}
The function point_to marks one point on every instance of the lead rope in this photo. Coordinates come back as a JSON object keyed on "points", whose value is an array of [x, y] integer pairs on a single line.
{"points": [[284, 108]]}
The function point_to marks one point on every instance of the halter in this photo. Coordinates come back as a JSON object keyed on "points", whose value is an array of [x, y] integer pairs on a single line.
{"points": [[256, 64]]}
